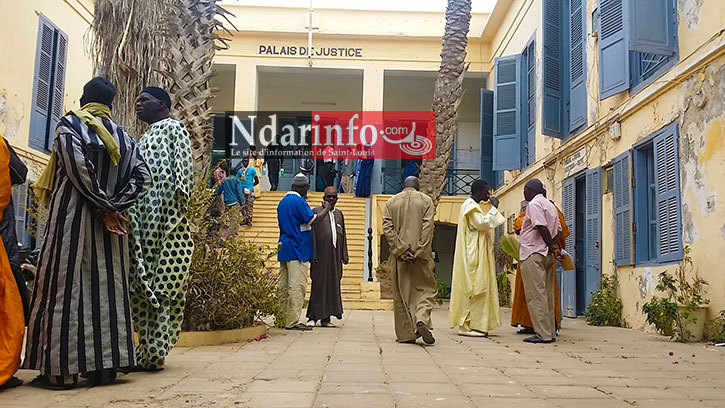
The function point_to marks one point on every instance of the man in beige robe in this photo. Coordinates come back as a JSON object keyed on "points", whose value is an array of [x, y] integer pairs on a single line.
{"points": [[408, 227], [474, 293]]}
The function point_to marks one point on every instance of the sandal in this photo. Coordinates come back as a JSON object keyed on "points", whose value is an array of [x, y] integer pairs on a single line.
{"points": [[43, 381], [11, 383]]}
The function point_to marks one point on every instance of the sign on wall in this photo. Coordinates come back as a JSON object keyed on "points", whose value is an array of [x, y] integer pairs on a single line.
{"points": [[575, 163], [294, 50]]}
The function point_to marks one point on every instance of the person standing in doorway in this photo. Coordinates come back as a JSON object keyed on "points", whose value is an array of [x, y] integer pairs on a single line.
{"points": [[249, 180], [330, 253], [408, 227], [162, 235], [540, 232], [347, 180], [274, 158], [474, 292], [295, 219]]}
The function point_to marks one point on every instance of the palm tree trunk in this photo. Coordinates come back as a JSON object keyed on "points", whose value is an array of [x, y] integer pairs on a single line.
{"points": [[192, 44], [447, 96], [127, 44]]}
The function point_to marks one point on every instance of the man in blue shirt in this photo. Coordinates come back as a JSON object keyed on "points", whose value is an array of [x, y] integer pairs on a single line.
{"points": [[248, 179], [295, 219]]}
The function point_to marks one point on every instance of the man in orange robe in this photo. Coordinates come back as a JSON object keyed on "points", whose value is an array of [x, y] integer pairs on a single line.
{"points": [[12, 326], [519, 310]]}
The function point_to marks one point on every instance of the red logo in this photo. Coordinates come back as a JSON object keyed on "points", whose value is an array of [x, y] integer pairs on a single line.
{"points": [[373, 134]]}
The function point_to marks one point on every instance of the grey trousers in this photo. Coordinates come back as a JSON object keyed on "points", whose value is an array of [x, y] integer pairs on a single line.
{"points": [[538, 273], [291, 289]]}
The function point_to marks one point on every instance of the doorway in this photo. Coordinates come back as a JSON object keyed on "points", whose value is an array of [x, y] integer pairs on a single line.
{"points": [[582, 208]]}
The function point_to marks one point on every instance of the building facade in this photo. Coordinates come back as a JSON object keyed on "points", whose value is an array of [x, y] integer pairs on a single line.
{"points": [[616, 107], [615, 104]]}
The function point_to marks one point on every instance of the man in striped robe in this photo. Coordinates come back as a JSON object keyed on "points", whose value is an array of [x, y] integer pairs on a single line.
{"points": [[80, 318]]}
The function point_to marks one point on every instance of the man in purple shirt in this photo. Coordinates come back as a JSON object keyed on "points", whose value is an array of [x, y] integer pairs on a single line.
{"points": [[541, 230]]}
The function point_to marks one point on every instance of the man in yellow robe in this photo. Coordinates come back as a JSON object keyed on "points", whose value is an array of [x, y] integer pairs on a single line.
{"points": [[408, 227], [474, 293]]}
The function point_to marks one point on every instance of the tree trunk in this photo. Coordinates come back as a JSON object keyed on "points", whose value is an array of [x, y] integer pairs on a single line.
{"points": [[447, 96], [192, 44], [127, 44]]}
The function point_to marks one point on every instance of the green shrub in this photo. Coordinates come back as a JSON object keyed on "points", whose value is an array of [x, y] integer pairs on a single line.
{"points": [[715, 328], [672, 314], [444, 291], [605, 308], [504, 289], [232, 283]]}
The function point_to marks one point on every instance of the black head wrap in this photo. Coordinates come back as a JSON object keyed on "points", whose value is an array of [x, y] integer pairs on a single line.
{"points": [[159, 94], [99, 90], [536, 186]]}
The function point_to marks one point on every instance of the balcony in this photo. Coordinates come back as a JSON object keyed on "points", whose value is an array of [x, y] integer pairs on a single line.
{"points": [[458, 181]]}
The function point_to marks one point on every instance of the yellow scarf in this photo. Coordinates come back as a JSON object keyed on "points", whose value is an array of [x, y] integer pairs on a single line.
{"points": [[89, 114]]}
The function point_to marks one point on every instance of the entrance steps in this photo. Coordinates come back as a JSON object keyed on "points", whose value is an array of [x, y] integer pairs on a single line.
{"points": [[356, 293]]}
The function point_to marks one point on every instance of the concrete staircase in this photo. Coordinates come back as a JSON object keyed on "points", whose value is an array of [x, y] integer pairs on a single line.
{"points": [[356, 294]]}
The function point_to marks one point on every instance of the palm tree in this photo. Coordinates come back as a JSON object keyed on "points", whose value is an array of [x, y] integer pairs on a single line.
{"points": [[127, 45], [168, 43], [447, 96], [192, 44]]}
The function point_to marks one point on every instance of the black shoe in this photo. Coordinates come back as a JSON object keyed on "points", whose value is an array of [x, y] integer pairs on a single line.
{"points": [[537, 340], [300, 327], [425, 333], [526, 330], [138, 369], [11, 383]]}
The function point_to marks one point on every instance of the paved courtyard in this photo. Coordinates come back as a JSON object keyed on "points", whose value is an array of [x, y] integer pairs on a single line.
{"points": [[360, 365]]}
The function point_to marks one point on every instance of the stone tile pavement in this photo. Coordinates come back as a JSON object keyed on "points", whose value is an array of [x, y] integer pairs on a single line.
{"points": [[359, 364]]}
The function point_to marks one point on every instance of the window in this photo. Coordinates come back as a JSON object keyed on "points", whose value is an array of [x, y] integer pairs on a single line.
{"points": [[514, 110], [637, 41], [564, 111], [655, 235], [49, 84], [608, 180]]}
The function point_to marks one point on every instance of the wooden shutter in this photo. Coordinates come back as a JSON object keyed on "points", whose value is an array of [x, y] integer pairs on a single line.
{"points": [[577, 65], [56, 112], [622, 210], [653, 26], [667, 177], [487, 136], [568, 203], [613, 50], [530, 151], [593, 232], [507, 113], [42, 84], [568, 278], [552, 123]]}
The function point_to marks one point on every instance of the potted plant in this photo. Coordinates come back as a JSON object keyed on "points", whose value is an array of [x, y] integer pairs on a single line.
{"points": [[681, 314], [232, 281]]}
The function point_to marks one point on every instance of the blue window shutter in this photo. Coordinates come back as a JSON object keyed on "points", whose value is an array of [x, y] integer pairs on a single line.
{"points": [[551, 120], [42, 85], [568, 203], [667, 177], [577, 64], [530, 124], [56, 111], [507, 113], [568, 278], [593, 225], [622, 210], [653, 26], [487, 136], [613, 50]]}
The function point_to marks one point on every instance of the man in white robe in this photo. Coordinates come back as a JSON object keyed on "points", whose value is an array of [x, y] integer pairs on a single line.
{"points": [[474, 293]]}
